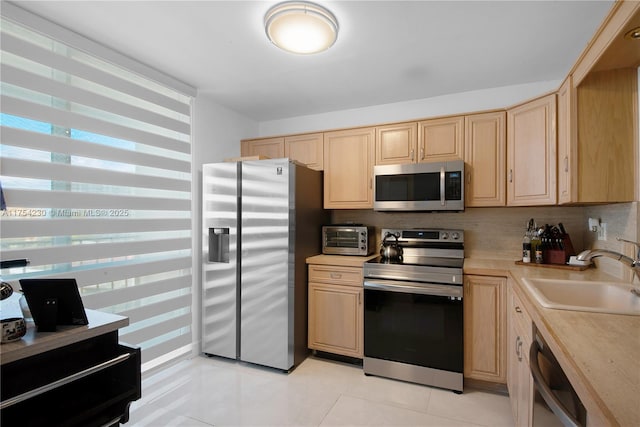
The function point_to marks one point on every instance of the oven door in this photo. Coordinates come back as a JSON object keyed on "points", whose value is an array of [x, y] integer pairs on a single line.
{"points": [[414, 324]]}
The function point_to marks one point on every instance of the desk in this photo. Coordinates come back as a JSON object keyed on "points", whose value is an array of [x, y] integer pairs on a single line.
{"points": [[76, 376]]}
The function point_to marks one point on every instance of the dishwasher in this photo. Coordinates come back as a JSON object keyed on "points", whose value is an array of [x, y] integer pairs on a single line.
{"points": [[555, 402]]}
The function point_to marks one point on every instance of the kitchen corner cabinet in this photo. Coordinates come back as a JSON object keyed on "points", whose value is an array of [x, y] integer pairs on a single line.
{"points": [[336, 310], [397, 144], [348, 168], [441, 139], [531, 153], [485, 159], [519, 379], [307, 149], [268, 147], [596, 128], [485, 328], [607, 115]]}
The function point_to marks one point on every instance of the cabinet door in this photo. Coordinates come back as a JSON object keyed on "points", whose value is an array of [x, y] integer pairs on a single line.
{"points": [[607, 128], [269, 147], [531, 153], [485, 328], [306, 149], [441, 139], [335, 319], [519, 380], [348, 169], [396, 144], [485, 158], [567, 143]]}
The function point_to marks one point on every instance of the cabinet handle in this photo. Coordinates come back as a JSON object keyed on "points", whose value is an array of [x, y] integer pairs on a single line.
{"points": [[518, 309], [468, 177], [336, 275], [421, 153], [510, 175], [566, 163], [412, 154], [359, 298], [370, 182], [519, 348]]}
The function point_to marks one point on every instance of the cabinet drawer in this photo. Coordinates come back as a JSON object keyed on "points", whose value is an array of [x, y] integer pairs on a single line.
{"points": [[87, 384], [350, 276]]}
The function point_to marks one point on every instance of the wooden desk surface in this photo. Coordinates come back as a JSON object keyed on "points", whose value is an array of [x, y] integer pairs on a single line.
{"points": [[38, 342]]}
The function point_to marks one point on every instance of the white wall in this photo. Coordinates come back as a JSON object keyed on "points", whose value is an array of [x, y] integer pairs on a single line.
{"points": [[217, 131], [465, 102]]}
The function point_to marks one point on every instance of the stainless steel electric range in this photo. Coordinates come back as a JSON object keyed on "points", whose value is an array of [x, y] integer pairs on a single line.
{"points": [[413, 324]]}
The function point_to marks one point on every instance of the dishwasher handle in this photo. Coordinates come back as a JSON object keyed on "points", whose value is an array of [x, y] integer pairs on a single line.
{"points": [[545, 391]]}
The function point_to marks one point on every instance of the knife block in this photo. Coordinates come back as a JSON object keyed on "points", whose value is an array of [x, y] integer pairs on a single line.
{"points": [[557, 255]]}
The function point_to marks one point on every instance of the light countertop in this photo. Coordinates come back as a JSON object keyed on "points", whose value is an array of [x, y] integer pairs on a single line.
{"points": [[39, 342], [600, 353], [342, 260]]}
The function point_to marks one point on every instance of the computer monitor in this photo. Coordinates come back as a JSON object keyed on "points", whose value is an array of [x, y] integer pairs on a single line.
{"points": [[54, 302]]}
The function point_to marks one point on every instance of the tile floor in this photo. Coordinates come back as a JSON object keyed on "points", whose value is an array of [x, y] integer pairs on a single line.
{"points": [[320, 392]]}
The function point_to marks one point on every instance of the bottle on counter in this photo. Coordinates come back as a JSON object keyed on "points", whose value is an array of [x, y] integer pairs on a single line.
{"points": [[526, 248], [536, 248]]}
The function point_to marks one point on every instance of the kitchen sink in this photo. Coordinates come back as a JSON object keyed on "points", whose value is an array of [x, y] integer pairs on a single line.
{"points": [[584, 295]]}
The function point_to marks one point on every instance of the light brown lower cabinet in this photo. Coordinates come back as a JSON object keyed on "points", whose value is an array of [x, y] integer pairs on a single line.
{"points": [[336, 310], [519, 380], [485, 328]]}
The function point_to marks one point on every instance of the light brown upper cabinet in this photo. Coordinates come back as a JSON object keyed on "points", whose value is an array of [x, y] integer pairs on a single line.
{"points": [[567, 143], [485, 159], [269, 147], [531, 153], [597, 138], [441, 139], [307, 149], [348, 168], [598, 129], [397, 143]]}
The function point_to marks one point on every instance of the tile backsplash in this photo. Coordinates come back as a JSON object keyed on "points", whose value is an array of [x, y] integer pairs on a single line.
{"points": [[622, 221], [496, 233]]}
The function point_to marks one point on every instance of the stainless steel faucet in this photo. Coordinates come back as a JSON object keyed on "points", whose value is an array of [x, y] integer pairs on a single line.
{"points": [[634, 264]]}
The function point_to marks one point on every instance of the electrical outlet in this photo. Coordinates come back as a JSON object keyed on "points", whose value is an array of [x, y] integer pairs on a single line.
{"points": [[602, 231]]}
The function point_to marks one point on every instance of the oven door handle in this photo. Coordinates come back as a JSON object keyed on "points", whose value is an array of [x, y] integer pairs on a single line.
{"points": [[411, 288], [545, 391]]}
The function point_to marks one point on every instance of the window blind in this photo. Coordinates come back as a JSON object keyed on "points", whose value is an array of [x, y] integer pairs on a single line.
{"points": [[95, 166]]}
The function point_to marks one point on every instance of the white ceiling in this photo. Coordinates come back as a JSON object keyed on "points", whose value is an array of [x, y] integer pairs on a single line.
{"points": [[387, 51]]}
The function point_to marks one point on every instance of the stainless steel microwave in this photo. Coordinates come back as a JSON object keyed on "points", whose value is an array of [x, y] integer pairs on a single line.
{"points": [[434, 186], [347, 239]]}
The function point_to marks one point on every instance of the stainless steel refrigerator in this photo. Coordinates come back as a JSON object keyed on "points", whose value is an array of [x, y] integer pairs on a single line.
{"points": [[261, 220]]}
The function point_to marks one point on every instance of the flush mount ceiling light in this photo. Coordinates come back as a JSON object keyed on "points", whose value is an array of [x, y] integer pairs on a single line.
{"points": [[301, 27]]}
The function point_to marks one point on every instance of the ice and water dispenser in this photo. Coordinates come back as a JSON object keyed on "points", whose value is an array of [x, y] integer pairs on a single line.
{"points": [[219, 244]]}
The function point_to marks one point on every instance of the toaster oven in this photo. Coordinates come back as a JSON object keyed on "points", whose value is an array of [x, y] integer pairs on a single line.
{"points": [[348, 239]]}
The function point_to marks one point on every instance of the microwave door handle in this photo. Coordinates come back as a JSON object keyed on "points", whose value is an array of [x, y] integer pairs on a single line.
{"points": [[442, 175], [545, 391]]}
